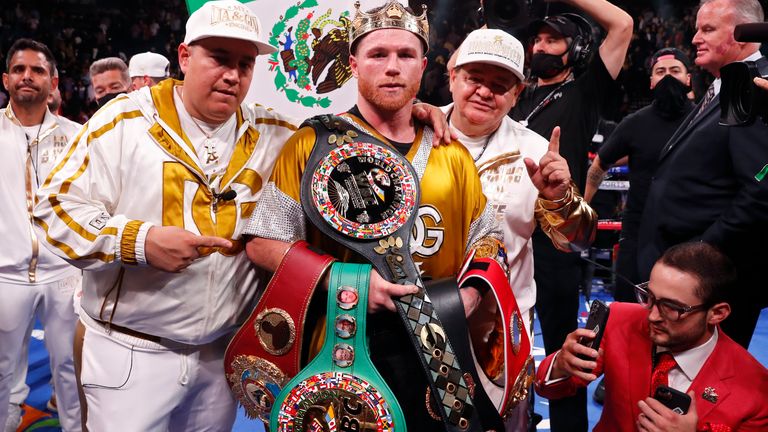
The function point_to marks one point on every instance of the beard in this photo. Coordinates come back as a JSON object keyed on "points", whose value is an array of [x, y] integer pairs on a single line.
{"points": [[27, 99], [678, 340], [383, 101]]}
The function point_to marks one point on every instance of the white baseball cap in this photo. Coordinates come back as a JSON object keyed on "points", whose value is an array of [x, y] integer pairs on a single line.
{"points": [[493, 46], [226, 19], [148, 64]]}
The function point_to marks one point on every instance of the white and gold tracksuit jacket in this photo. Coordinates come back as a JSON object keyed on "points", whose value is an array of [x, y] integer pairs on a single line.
{"points": [[25, 259], [571, 224], [131, 167]]}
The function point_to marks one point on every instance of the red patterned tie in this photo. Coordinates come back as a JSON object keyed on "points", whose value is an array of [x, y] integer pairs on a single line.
{"points": [[665, 363]]}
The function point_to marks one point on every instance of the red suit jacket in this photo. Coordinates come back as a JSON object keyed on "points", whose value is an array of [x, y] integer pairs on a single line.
{"points": [[740, 381]]}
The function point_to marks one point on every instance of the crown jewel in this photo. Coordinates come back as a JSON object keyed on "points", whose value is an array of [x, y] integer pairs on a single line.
{"points": [[392, 15]]}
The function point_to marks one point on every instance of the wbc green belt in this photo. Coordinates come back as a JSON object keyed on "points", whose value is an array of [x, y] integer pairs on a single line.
{"points": [[340, 390], [364, 195]]}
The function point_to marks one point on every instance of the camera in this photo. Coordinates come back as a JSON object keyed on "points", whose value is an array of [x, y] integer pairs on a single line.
{"points": [[512, 16], [741, 101]]}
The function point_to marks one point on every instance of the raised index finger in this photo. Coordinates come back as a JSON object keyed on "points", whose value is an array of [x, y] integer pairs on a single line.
{"points": [[554, 140]]}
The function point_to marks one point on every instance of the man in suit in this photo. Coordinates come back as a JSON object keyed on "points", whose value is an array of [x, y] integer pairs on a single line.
{"points": [[709, 182], [671, 338]]}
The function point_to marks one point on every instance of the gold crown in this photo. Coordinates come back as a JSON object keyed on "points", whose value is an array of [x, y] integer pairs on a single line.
{"points": [[392, 15]]}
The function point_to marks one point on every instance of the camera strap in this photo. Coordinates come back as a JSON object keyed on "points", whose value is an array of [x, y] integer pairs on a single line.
{"points": [[546, 101]]}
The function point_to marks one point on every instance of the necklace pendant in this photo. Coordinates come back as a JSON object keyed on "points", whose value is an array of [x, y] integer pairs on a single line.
{"points": [[210, 151]]}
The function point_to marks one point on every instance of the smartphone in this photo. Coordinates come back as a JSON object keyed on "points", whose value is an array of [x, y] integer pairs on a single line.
{"points": [[675, 400], [598, 318]]}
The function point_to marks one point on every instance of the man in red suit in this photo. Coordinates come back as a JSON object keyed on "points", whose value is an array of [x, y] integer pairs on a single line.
{"points": [[677, 320]]}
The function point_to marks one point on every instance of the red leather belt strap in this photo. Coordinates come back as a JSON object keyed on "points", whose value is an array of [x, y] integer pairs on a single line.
{"points": [[486, 274], [265, 352]]}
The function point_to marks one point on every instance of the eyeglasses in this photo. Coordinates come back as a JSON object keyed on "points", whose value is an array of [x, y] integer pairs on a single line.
{"points": [[668, 309], [475, 81]]}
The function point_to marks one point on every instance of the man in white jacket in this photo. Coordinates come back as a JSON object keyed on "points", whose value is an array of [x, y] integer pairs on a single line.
{"points": [[485, 81], [33, 280], [151, 199]]}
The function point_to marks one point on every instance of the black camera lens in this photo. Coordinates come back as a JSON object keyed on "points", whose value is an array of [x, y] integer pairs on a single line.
{"points": [[741, 102]]}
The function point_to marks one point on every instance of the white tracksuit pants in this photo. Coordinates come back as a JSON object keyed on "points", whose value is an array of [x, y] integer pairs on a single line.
{"points": [[52, 303]]}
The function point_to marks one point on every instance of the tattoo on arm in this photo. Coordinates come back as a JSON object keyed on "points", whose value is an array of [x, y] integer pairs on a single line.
{"points": [[595, 175]]}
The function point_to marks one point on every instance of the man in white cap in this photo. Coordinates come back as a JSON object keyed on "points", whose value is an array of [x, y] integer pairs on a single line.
{"points": [[485, 81], [147, 69], [150, 200]]}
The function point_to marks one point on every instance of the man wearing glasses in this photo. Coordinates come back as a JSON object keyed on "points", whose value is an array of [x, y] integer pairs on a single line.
{"points": [[671, 338]]}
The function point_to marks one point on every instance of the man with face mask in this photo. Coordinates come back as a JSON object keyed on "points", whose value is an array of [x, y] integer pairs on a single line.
{"points": [[561, 98], [710, 182], [641, 137], [109, 78]]}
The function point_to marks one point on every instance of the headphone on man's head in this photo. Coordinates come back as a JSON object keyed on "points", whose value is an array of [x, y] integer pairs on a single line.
{"points": [[582, 46]]}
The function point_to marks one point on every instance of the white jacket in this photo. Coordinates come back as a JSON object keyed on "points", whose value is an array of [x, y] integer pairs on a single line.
{"points": [[570, 225], [132, 167], [513, 196], [21, 245]]}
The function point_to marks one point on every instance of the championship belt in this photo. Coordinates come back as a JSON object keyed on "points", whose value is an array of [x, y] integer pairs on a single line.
{"points": [[511, 381], [365, 195], [447, 301], [266, 351], [340, 389]]}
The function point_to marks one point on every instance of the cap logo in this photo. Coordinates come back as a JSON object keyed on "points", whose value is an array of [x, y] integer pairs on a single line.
{"points": [[234, 18], [496, 48]]}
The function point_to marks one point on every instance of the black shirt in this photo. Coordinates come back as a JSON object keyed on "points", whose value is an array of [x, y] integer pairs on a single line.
{"points": [[641, 136], [574, 106], [401, 147]]}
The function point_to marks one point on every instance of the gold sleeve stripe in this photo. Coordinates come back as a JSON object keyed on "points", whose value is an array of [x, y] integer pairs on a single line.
{"points": [[68, 183], [110, 125], [128, 242], [276, 122], [71, 252], [53, 199], [67, 156]]}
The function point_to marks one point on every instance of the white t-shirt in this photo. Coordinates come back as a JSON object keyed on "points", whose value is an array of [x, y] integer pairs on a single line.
{"points": [[214, 152]]}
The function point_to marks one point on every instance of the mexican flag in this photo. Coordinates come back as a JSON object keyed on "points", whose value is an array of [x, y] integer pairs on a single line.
{"points": [[309, 74]]}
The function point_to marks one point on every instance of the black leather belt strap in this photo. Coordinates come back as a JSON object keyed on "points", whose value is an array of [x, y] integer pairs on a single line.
{"points": [[130, 332], [447, 301]]}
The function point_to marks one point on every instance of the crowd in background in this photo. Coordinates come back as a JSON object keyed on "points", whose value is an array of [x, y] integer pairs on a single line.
{"points": [[80, 32], [669, 26]]}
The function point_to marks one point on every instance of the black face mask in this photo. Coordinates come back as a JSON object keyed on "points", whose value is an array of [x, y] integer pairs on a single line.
{"points": [[670, 97], [546, 66], [106, 98]]}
